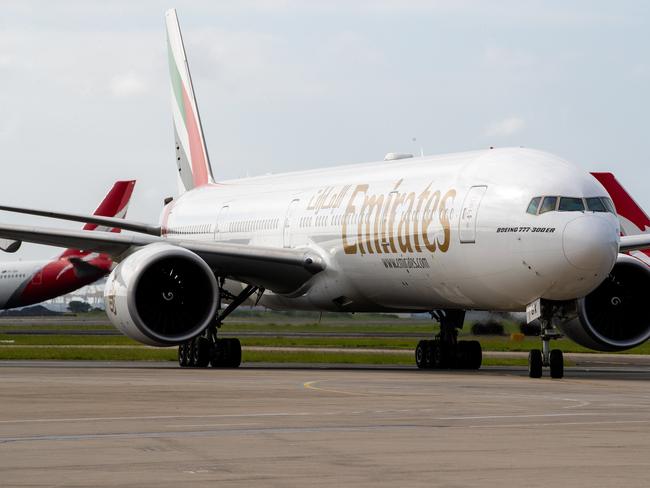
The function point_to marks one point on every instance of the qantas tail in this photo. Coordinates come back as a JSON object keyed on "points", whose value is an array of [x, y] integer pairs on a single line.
{"points": [[115, 204], [191, 152], [633, 219]]}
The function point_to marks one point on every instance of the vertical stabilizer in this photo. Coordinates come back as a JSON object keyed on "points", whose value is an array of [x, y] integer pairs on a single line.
{"points": [[114, 204], [632, 217], [191, 152]]}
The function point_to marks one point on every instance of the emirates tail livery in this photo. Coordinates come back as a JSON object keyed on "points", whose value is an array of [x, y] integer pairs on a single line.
{"points": [[633, 220], [24, 283], [502, 229]]}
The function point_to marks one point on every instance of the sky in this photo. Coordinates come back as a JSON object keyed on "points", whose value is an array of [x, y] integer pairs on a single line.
{"points": [[287, 85]]}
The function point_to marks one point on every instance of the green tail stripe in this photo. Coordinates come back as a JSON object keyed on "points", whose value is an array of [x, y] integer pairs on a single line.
{"points": [[177, 82]]}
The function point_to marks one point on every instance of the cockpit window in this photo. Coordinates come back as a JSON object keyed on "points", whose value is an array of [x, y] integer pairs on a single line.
{"points": [[548, 205], [571, 204], [596, 204], [608, 203], [533, 205]]}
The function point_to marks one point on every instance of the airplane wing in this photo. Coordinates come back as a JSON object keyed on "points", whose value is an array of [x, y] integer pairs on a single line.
{"points": [[636, 242], [277, 269], [114, 222]]}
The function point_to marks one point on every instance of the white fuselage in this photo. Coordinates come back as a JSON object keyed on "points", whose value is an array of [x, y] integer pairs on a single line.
{"points": [[417, 234], [14, 276]]}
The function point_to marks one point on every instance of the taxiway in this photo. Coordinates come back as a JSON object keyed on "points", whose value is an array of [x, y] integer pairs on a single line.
{"points": [[143, 424]]}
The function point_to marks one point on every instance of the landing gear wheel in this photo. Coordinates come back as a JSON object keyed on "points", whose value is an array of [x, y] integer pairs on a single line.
{"points": [[202, 352], [190, 351], [182, 355], [420, 354], [226, 353], [233, 356], [556, 363], [535, 363], [469, 355], [430, 354]]}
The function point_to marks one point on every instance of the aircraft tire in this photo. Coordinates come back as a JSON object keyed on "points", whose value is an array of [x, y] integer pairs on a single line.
{"points": [[474, 355], [556, 363], [535, 363], [420, 354], [233, 356], [202, 352], [182, 355]]}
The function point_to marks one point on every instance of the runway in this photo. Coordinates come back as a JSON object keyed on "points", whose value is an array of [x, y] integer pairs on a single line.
{"points": [[152, 424]]}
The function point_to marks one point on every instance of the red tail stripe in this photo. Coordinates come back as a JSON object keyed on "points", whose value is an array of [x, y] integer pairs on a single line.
{"points": [[625, 204]]}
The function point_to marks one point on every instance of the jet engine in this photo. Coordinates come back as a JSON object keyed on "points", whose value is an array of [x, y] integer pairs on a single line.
{"points": [[161, 295], [614, 316]]}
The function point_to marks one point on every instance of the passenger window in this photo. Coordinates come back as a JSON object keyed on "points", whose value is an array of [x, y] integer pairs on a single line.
{"points": [[571, 204], [548, 205], [534, 205], [595, 204]]}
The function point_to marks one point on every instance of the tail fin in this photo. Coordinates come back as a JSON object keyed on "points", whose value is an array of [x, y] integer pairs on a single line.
{"points": [[191, 152], [633, 219], [114, 204]]}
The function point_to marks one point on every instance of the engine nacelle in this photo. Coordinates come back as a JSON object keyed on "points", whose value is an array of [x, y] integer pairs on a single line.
{"points": [[161, 295], [614, 316]]}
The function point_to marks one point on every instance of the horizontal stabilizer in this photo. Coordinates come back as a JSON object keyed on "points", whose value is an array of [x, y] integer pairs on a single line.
{"points": [[116, 223]]}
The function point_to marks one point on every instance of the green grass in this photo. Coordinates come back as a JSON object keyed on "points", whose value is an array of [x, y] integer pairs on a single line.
{"points": [[90, 354], [489, 343]]}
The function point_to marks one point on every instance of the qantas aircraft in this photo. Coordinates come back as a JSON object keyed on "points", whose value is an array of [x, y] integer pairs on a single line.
{"points": [[633, 219], [24, 283], [501, 229]]}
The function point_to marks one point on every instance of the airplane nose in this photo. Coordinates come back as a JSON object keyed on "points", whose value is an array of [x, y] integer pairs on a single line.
{"points": [[591, 243]]}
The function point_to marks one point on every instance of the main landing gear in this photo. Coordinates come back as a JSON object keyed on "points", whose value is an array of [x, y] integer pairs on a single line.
{"points": [[208, 350], [445, 351], [551, 358]]}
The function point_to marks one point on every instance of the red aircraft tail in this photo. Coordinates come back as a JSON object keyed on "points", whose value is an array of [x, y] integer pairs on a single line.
{"points": [[115, 204], [631, 216]]}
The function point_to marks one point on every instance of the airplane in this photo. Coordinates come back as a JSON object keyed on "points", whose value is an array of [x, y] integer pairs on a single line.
{"points": [[632, 217], [509, 229], [24, 283]]}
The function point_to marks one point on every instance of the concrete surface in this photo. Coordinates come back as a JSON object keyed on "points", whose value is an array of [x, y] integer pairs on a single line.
{"points": [[143, 424]]}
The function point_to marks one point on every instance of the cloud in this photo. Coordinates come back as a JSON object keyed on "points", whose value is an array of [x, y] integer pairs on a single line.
{"points": [[505, 127], [127, 85]]}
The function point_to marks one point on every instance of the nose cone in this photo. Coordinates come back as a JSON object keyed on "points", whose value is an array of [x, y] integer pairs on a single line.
{"points": [[590, 243]]}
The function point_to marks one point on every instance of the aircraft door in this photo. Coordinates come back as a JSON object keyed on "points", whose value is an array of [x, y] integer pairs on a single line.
{"points": [[289, 222], [220, 227], [469, 213]]}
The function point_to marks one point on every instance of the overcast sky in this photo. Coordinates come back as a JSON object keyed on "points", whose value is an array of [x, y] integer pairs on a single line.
{"points": [[288, 85]]}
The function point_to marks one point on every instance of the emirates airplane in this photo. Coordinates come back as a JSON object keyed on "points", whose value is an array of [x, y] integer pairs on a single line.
{"points": [[24, 283], [501, 229]]}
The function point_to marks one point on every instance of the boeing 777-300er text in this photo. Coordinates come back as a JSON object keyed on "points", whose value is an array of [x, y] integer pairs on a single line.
{"points": [[502, 229], [25, 283]]}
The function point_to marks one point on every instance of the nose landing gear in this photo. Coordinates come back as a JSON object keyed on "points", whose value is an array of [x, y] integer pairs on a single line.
{"points": [[445, 351], [547, 357]]}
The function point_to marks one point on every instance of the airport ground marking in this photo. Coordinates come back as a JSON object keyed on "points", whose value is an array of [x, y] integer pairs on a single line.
{"points": [[309, 385]]}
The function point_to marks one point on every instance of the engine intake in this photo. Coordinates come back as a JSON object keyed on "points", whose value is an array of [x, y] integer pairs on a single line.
{"points": [[161, 295], [614, 316]]}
